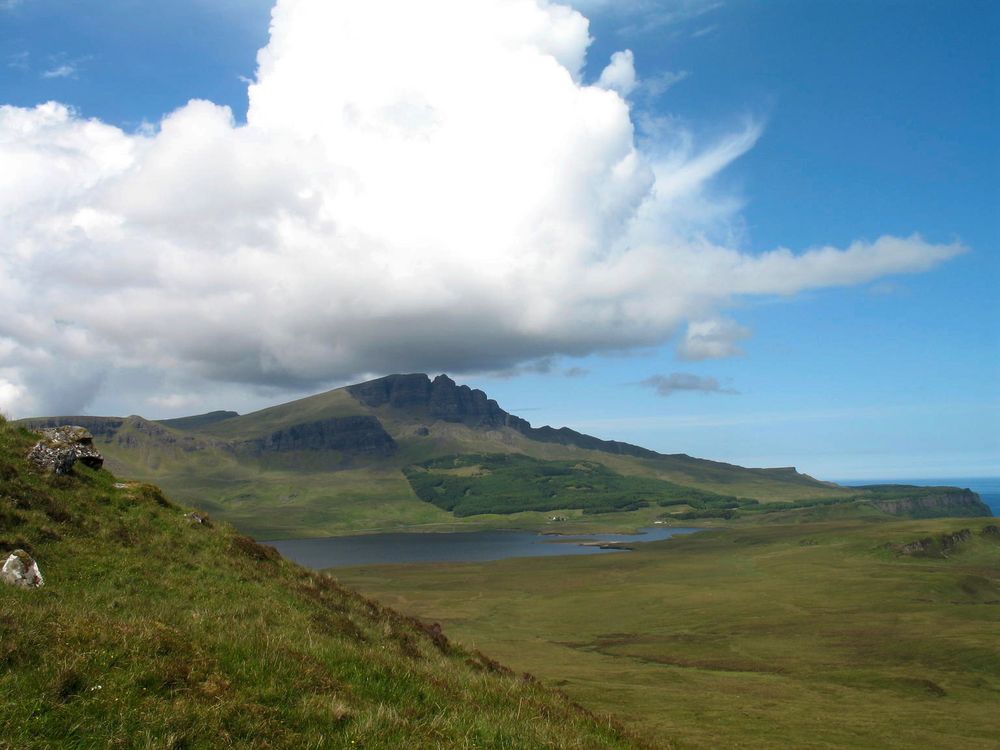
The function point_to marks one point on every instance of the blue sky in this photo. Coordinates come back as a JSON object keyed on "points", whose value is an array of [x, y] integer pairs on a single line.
{"points": [[857, 120]]}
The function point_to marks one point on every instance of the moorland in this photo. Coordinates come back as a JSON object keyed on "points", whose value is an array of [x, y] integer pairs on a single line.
{"points": [[811, 629]]}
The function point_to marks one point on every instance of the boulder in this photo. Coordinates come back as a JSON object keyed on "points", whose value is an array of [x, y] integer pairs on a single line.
{"points": [[61, 447], [21, 570], [198, 519]]}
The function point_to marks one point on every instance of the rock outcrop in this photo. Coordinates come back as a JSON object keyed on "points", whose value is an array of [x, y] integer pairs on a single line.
{"points": [[21, 570], [935, 546], [352, 435], [61, 447]]}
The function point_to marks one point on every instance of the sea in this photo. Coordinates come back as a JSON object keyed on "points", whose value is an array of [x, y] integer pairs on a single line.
{"points": [[988, 488]]}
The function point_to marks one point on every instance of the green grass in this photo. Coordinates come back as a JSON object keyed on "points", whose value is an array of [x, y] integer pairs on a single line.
{"points": [[156, 632], [784, 632]]}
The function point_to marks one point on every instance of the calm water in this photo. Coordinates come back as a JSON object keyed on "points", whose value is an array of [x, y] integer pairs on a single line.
{"points": [[988, 488], [462, 546]]}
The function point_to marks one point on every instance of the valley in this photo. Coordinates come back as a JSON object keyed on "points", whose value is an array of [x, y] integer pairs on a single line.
{"points": [[798, 633]]}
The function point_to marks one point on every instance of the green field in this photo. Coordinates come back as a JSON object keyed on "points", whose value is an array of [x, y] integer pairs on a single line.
{"points": [[798, 633]]}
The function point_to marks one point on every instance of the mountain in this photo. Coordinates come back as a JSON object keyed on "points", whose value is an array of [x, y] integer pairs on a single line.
{"points": [[406, 451], [156, 627]]}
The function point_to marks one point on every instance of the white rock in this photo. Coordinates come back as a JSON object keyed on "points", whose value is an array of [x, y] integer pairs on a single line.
{"points": [[21, 570]]}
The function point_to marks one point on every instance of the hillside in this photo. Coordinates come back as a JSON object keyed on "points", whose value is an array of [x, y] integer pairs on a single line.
{"points": [[357, 459], [158, 629]]}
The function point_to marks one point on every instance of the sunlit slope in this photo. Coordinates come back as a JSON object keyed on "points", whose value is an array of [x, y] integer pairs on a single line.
{"points": [[335, 462], [157, 630]]}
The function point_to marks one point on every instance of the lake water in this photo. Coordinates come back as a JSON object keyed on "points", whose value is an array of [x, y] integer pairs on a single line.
{"points": [[479, 546], [461, 546], [988, 488]]}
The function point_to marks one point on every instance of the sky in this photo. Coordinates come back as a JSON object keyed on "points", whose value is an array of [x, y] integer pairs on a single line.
{"points": [[758, 232]]}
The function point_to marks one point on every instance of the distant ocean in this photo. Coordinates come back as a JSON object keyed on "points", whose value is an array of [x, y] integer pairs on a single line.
{"points": [[988, 488]]}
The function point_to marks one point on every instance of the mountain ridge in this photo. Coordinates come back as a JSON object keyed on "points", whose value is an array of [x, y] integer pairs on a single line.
{"points": [[351, 458]]}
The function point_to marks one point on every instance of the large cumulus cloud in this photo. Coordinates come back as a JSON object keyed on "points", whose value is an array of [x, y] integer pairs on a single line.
{"points": [[418, 186]]}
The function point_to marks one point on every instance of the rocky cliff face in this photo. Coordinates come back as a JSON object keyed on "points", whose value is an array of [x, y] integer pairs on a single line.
{"points": [[442, 399], [439, 399], [359, 435], [933, 505]]}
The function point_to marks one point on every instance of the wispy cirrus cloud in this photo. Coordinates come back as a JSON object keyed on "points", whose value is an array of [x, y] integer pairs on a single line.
{"points": [[646, 16], [66, 70], [19, 61], [684, 382], [661, 83], [61, 67]]}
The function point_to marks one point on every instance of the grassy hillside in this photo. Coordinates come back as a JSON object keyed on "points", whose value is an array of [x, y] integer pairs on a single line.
{"points": [[154, 631], [817, 629]]}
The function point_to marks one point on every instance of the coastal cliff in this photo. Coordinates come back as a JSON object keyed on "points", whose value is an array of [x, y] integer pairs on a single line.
{"points": [[947, 502]]}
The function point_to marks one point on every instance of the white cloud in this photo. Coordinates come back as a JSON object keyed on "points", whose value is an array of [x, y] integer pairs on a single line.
{"points": [[438, 192], [712, 339], [11, 396], [619, 75]]}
